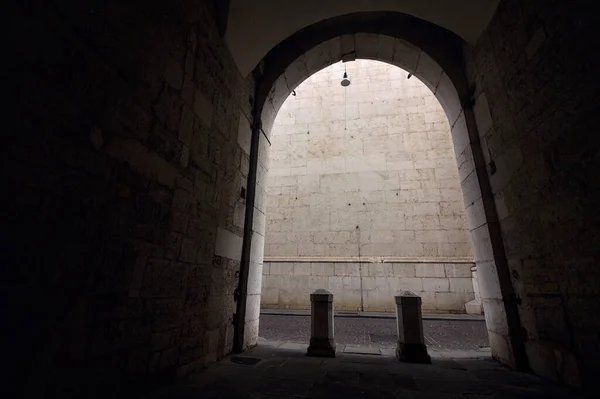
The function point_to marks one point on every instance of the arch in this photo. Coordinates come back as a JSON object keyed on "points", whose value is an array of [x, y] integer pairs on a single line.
{"points": [[430, 52], [434, 55], [256, 27]]}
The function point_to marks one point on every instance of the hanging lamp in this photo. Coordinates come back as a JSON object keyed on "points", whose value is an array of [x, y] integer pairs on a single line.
{"points": [[345, 81]]}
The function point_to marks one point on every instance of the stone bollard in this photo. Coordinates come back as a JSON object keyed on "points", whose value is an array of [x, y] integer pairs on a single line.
{"points": [[321, 320], [411, 343], [474, 306]]}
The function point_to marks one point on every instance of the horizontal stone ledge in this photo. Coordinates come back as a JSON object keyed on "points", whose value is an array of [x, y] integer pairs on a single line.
{"points": [[427, 260], [363, 259], [427, 314], [320, 259]]}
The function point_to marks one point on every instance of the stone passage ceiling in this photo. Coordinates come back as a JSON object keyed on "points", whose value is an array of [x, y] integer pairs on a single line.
{"points": [[254, 27]]}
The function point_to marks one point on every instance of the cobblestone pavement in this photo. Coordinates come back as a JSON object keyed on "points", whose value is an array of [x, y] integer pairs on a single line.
{"points": [[440, 335], [274, 370]]}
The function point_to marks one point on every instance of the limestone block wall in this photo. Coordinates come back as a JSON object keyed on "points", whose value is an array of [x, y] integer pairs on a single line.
{"points": [[364, 171], [368, 285]]}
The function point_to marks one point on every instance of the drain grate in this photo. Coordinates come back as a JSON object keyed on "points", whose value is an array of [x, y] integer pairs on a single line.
{"points": [[246, 361]]}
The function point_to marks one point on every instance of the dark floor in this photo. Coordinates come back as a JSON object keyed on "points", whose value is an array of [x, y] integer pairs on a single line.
{"points": [[283, 371], [447, 335]]}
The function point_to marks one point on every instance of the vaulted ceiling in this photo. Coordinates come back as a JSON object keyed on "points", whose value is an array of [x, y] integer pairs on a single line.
{"points": [[255, 27]]}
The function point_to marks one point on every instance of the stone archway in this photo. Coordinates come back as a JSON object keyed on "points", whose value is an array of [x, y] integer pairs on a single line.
{"points": [[434, 56]]}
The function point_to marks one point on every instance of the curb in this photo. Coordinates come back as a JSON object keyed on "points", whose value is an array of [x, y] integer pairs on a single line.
{"points": [[374, 315]]}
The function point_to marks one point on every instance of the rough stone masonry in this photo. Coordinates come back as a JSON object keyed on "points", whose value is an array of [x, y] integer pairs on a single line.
{"points": [[125, 217], [125, 152]]}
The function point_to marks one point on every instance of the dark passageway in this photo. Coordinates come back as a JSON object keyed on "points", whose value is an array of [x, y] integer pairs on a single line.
{"points": [[137, 151]]}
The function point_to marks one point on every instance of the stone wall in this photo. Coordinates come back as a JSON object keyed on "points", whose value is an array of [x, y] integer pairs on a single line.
{"points": [[535, 108], [122, 217], [363, 171], [368, 286]]}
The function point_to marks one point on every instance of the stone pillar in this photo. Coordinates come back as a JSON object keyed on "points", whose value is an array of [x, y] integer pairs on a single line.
{"points": [[411, 343], [321, 339], [474, 306]]}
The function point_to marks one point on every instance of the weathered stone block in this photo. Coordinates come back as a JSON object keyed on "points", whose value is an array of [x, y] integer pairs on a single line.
{"points": [[430, 270], [203, 108], [322, 269], [436, 285], [446, 301], [461, 284], [458, 270], [282, 268], [228, 245], [381, 270], [173, 73], [404, 269]]}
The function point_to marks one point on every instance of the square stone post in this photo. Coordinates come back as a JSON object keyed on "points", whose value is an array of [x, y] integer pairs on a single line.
{"points": [[411, 342], [474, 306], [321, 320]]}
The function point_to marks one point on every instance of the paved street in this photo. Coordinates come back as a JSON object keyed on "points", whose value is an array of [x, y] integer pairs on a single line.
{"points": [[443, 335]]}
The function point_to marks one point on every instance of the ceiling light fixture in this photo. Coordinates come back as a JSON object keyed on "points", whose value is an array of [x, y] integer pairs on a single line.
{"points": [[345, 81]]}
